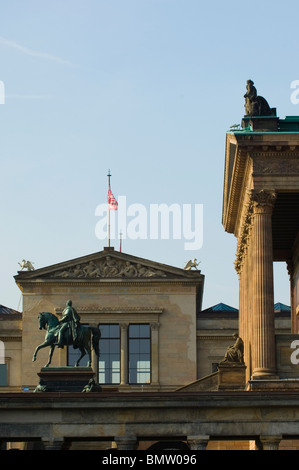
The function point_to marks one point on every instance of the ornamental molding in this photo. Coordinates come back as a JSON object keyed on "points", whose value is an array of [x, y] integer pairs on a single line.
{"points": [[6, 338], [114, 309], [214, 338], [243, 240], [109, 268]]}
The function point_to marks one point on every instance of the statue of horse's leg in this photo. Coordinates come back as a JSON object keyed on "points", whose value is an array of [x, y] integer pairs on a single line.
{"points": [[52, 347], [43, 345], [89, 354], [82, 355]]}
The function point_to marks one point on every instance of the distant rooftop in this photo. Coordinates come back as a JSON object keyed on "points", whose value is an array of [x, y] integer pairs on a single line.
{"points": [[8, 311], [220, 308], [226, 309], [279, 307]]}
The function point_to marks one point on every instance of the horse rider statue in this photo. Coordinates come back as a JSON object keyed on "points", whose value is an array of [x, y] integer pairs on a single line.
{"points": [[70, 319]]}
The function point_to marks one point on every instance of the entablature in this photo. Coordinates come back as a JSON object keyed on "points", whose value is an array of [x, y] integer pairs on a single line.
{"points": [[257, 161]]}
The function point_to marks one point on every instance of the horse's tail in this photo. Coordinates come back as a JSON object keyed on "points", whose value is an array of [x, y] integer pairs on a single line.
{"points": [[96, 336]]}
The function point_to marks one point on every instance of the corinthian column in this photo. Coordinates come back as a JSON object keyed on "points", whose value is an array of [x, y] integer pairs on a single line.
{"points": [[263, 299]]}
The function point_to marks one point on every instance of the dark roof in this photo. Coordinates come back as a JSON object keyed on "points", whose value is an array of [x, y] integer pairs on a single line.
{"points": [[220, 308], [7, 311], [224, 309], [279, 307]]}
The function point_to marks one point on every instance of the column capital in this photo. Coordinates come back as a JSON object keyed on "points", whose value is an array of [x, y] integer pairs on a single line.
{"points": [[53, 443], [198, 442], [154, 325], [263, 200], [270, 442]]}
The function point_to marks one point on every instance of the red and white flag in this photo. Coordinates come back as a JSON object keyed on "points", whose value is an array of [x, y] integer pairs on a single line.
{"points": [[112, 202]]}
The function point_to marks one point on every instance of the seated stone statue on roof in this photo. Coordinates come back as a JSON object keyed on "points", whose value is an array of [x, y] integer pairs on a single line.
{"points": [[256, 105]]}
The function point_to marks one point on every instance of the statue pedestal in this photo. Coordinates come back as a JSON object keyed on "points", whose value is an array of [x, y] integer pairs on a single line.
{"points": [[64, 379], [261, 123], [231, 376]]}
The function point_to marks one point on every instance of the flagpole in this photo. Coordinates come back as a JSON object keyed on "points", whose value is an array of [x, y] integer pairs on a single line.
{"points": [[109, 175], [120, 236]]}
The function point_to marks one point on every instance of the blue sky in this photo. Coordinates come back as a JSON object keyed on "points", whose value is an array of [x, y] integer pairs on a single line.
{"points": [[147, 88]]}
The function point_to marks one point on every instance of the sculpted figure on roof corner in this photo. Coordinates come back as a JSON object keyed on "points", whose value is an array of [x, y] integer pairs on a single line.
{"points": [[191, 264], [26, 265], [256, 105]]}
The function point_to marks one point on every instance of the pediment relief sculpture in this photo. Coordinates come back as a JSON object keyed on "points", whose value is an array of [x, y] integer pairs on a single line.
{"points": [[109, 267]]}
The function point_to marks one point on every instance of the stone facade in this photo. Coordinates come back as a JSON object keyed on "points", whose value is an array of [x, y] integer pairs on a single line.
{"points": [[187, 397], [115, 288]]}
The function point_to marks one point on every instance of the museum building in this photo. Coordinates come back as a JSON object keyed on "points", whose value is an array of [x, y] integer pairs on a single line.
{"points": [[170, 374]]}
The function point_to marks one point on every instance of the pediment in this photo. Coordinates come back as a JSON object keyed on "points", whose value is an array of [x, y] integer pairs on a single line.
{"points": [[108, 264]]}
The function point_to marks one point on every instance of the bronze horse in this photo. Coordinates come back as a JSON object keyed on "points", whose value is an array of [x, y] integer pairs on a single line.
{"points": [[87, 335]]}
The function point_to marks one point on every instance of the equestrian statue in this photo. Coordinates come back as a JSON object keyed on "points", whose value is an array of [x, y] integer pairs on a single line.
{"points": [[66, 332]]}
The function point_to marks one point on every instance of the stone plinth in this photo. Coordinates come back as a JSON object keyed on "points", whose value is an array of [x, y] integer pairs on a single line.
{"points": [[273, 385], [64, 379], [231, 376], [261, 123]]}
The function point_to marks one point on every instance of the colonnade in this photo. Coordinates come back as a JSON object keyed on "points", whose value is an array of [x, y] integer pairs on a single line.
{"points": [[194, 442]]}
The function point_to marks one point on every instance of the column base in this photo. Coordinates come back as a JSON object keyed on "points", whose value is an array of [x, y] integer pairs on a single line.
{"points": [[264, 374], [275, 384]]}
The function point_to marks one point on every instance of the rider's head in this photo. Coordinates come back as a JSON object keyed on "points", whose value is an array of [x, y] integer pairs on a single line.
{"points": [[69, 303]]}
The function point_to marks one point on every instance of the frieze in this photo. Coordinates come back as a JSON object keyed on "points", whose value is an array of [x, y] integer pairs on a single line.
{"points": [[275, 163], [109, 268], [114, 309]]}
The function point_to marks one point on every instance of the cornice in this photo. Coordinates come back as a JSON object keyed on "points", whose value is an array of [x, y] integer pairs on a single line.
{"points": [[109, 282], [115, 309], [7, 338], [237, 181], [213, 337], [107, 266]]}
